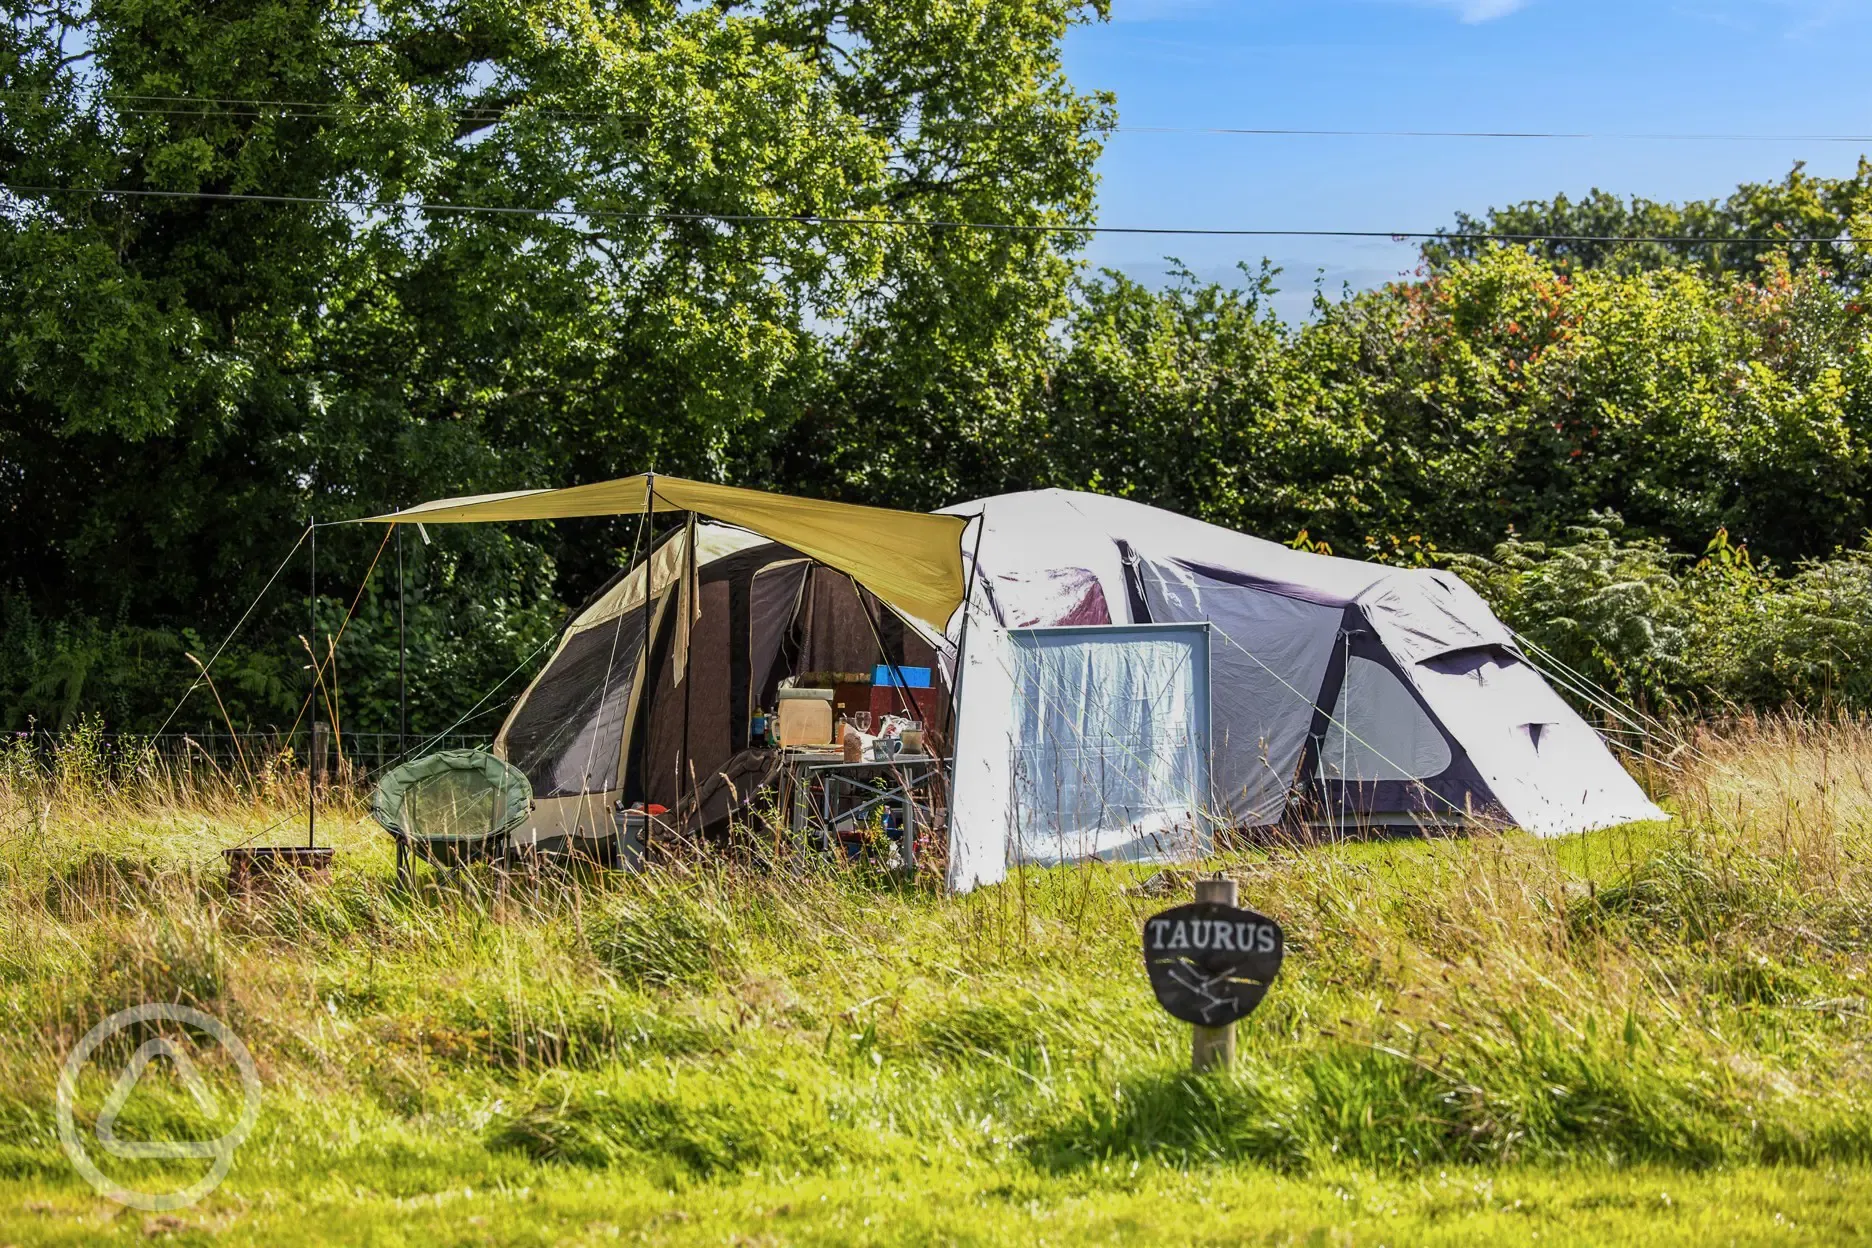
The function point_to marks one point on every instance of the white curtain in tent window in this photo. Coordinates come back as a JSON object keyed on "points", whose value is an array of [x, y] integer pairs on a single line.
{"points": [[1108, 755]]}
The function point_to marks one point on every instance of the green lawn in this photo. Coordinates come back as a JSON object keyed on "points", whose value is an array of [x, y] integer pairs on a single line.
{"points": [[991, 1205], [1651, 1035]]}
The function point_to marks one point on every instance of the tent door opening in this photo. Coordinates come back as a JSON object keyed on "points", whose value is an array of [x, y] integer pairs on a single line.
{"points": [[1109, 754]]}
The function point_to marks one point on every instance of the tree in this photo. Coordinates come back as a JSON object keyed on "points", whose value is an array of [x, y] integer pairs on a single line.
{"points": [[1493, 397], [1196, 398], [186, 374], [1604, 231]]}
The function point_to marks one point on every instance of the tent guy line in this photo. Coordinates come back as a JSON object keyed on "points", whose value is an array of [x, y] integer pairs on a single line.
{"points": [[238, 625], [906, 223]]}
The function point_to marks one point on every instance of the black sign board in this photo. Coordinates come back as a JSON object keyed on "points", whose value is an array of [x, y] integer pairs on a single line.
{"points": [[1210, 963]]}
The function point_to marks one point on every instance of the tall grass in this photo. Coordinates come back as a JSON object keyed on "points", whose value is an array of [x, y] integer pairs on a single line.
{"points": [[1689, 995]]}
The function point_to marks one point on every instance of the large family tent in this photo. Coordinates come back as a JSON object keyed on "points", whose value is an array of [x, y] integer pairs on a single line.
{"points": [[1132, 680], [1126, 682]]}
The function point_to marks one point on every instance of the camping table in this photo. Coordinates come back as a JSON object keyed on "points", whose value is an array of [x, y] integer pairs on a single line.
{"points": [[837, 779]]}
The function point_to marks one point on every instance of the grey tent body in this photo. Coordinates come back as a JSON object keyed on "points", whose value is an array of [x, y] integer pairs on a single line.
{"points": [[1340, 692], [1274, 686], [453, 802]]}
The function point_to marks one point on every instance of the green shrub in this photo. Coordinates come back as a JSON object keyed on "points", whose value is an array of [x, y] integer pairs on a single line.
{"points": [[1722, 632]]}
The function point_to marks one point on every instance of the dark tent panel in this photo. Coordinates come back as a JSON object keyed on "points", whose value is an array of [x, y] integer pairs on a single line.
{"points": [[567, 735], [766, 613]]}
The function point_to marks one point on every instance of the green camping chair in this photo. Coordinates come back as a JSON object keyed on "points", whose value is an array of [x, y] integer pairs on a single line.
{"points": [[451, 808]]}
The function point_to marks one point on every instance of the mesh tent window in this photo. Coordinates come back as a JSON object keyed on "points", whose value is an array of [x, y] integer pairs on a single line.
{"points": [[1379, 732]]}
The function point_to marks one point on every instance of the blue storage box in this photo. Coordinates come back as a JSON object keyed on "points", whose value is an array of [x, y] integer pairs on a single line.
{"points": [[913, 677]]}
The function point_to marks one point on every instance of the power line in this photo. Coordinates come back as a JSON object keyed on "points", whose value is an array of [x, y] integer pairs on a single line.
{"points": [[906, 223], [251, 106], [1648, 136], [232, 106]]}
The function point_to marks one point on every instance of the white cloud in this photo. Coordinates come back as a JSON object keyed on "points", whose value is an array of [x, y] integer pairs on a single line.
{"points": [[1481, 10]]}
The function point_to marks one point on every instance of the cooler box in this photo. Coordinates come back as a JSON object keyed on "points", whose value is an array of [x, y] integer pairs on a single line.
{"points": [[805, 716]]}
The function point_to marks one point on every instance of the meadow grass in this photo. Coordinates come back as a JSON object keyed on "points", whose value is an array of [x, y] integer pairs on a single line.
{"points": [[1652, 1034]]}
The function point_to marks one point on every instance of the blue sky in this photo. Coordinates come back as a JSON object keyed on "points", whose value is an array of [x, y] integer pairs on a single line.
{"points": [[1702, 66]]}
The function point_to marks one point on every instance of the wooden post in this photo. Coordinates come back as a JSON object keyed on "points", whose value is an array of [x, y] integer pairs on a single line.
{"points": [[402, 661], [1214, 1047], [321, 754], [314, 743]]}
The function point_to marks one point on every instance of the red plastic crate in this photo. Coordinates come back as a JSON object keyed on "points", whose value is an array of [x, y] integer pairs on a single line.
{"points": [[916, 703]]}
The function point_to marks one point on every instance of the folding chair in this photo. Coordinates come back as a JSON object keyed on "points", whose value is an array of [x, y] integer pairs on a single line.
{"points": [[451, 808]]}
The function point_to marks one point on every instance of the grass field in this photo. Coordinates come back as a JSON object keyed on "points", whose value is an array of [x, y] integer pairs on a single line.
{"points": [[1650, 1035]]}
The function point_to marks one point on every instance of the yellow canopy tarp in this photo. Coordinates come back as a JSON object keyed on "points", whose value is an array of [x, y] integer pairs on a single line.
{"points": [[909, 559]]}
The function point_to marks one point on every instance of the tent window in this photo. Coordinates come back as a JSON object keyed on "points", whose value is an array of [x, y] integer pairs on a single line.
{"points": [[567, 735], [1051, 596], [1379, 731], [1109, 755]]}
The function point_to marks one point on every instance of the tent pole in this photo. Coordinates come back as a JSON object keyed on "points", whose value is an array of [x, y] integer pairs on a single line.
{"points": [[877, 634], [640, 551], [689, 579], [648, 697], [312, 737], [955, 682], [402, 651], [955, 685]]}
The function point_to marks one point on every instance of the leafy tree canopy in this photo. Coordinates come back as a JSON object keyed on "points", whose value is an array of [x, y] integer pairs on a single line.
{"points": [[1740, 235], [284, 258], [235, 294]]}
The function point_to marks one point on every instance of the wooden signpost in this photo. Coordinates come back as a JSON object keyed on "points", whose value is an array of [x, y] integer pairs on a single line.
{"points": [[1210, 963]]}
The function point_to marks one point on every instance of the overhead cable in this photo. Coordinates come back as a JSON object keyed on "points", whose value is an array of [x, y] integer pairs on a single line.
{"points": [[137, 104], [906, 223], [1628, 135]]}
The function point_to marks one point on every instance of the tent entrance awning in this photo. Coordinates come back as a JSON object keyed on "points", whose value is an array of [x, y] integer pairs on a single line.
{"points": [[911, 560]]}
